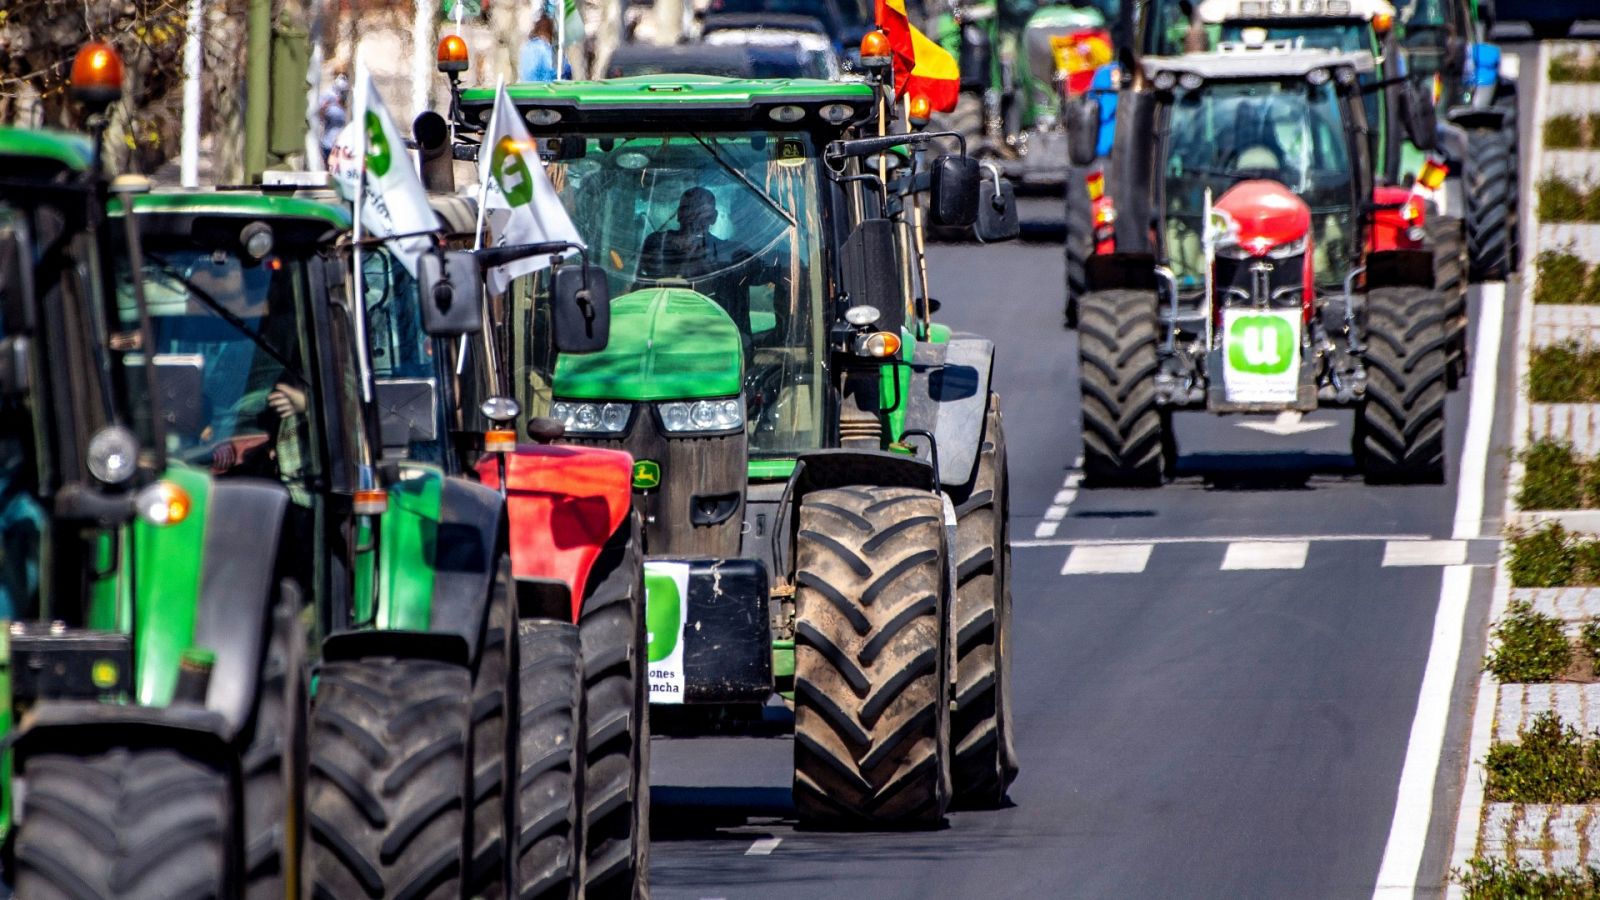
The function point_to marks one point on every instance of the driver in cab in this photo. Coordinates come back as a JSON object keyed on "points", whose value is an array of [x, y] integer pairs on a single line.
{"points": [[722, 269]]}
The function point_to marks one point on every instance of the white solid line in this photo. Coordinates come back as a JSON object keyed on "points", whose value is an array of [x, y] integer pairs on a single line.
{"points": [[1480, 411], [1217, 539], [1265, 555], [764, 846], [1107, 559], [1425, 553], [1043, 530]]}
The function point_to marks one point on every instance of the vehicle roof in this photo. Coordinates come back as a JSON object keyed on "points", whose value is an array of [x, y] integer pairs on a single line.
{"points": [[73, 151], [678, 101], [695, 59], [1245, 65], [775, 21], [235, 203], [1214, 11]]}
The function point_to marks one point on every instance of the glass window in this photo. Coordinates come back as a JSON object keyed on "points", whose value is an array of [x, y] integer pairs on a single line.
{"points": [[24, 524], [1290, 132], [734, 217], [402, 353], [231, 361]]}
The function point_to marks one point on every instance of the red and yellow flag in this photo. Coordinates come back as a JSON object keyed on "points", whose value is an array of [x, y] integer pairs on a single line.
{"points": [[891, 17], [934, 74]]}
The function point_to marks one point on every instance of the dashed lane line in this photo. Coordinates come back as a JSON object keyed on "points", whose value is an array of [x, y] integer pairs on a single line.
{"points": [[1266, 555], [1424, 553], [1108, 559], [1131, 557], [1057, 510], [1219, 539], [764, 846]]}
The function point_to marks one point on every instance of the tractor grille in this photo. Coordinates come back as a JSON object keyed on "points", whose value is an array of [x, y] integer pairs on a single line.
{"points": [[1260, 282]]}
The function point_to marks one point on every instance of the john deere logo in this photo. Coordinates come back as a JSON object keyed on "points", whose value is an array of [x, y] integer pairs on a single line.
{"points": [[379, 156], [511, 173], [103, 673], [1260, 345], [646, 474], [663, 614]]}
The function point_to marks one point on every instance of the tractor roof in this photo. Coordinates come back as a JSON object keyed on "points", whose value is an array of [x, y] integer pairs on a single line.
{"points": [[212, 203], [1215, 11], [676, 101], [70, 151], [1256, 65]]}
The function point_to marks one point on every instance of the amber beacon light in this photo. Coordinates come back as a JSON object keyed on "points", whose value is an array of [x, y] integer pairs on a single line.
{"points": [[96, 74]]}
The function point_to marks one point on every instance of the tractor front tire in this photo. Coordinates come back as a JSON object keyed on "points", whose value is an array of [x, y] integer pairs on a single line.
{"points": [[1079, 242], [548, 860], [273, 764], [388, 790], [1125, 438], [1447, 237], [871, 686], [616, 784], [983, 747], [124, 824], [1489, 181], [1399, 436], [488, 747]]}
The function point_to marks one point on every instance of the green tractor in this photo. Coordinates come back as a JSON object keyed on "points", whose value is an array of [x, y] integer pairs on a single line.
{"points": [[820, 469], [151, 659]]}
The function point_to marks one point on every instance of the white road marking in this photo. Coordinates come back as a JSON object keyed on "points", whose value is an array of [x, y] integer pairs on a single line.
{"points": [[764, 846], [1266, 555], [1284, 424], [1425, 553], [1217, 539], [1107, 559], [1058, 507]]}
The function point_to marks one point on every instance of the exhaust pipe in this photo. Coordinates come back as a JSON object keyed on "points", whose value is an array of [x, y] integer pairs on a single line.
{"points": [[433, 144]]}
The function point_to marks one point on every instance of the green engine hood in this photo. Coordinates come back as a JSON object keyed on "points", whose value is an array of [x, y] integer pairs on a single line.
{"points": [[666, 344]]}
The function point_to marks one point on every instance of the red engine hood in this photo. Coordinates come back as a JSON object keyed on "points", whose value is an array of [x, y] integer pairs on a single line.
{"points": [[1265, 215], [563, 504]]}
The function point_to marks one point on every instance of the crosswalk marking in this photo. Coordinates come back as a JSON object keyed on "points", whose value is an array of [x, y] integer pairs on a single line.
{"points": [[1107, 559], [1424, 553], [1266, 555]]}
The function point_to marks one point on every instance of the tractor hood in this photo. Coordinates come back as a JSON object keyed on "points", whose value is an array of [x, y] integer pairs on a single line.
{"points": [[666, 344], [1264, 215]]}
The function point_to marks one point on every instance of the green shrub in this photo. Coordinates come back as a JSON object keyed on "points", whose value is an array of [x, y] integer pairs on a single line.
{"points": [[1589, 641], [1551, 478], [1529, 646], [1563, 278], [1564, 373], [1549, 763], [1564, 132], [1591, 288], [1560, 200], [1500, 879], [1569, 67], [1541, 558]]}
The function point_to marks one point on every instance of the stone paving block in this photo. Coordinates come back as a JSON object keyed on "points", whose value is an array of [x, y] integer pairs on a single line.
{"points": [[1498, 820], [1572, 99], [1565, 834], [1528, 835], [1574, 165], [1575, 604], [1581, 238], [1575, 423], [1516, 705], [1560, 323]]}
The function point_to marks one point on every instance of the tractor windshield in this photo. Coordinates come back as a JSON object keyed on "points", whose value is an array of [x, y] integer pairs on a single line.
{"points": [[230, 351], [733, 217], [1291, 132]]}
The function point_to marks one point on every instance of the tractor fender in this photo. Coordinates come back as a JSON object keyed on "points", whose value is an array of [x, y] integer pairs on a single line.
{"points": [[1397, 268], [467, 559], [80, 726], [238, 586], [439, 646], [563, 503], [818, 470], [948, 396], [1471, 118], [1451, 138], [1120, 271]]}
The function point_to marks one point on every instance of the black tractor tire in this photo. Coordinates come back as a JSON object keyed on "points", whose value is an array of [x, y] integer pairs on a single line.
{"points": [[273, 764], [1079, 241], [1506, 99], [488, 745], [871, 686], [1488, 176], [1125, 439], [387, 794], [123, 823], [1400, 433], [983, 760], [1448, 240], [548, 823], [617, 754]]}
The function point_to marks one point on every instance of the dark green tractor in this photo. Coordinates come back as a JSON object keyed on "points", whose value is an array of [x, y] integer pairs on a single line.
{"points": [[820, 469], [151, 659]]}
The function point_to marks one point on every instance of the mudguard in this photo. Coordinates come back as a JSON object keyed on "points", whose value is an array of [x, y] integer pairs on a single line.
{"points": [[83, 726], [440, 646], [563, 503], [822, 469], [948, 396], [1492, 118]]}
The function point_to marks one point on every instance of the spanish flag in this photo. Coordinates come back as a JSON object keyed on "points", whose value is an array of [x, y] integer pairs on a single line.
{"points": [[891, 17], [935, 73]]}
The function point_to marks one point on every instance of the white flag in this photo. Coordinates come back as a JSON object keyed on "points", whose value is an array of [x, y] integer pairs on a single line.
{"points": [[513, 179], [393, 201]]}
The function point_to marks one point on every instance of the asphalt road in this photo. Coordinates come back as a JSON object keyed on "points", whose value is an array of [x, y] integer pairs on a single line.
{"points": [[1185, 730]]}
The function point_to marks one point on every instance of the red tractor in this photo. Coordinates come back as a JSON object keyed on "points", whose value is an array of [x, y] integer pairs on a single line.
{"points": [[1246, 262]]}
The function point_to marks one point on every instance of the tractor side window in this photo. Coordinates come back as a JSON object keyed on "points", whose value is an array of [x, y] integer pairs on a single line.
{"points": [[402, 354], [23, 522]]}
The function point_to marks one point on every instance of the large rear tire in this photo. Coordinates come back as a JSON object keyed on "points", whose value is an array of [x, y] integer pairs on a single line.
{"points": [[273, 764], [1400, 431], [488, 747], [1124, 432], [387, 793], [1448, 239], [1489, 176], [548, 861], [1079, 242], [872, 713], [616, 784], [982, 743], [124, 824]]}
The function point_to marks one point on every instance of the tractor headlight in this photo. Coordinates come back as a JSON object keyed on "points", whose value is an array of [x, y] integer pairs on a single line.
{"points": [[592, 418], [702, 415], [113, 454], [1293, 248]]}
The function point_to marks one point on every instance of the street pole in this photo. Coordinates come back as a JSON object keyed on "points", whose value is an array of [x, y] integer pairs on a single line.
{"points": [[257, 86], [189, 165], [561, 36], [422, 37]]}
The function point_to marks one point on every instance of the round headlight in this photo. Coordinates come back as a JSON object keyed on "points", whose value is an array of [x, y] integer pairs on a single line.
{"points": [[256, 238], [542, 116], [787, 114], [499, 409], [632, 160], [1164, 80], [675, 416], [613, 417], [862, 316], [836, 113], [1345, 75], [1317, 76], [113, 454], [1190, 81], [730, 413], [586, 417]]}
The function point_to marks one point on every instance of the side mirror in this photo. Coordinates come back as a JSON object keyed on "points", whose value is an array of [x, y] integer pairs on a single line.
{"points": [[870, 271], [1082, 119], [1421, 120], [580, 314], [997, 210], [407, 411], [448, 286], [953, 185]]}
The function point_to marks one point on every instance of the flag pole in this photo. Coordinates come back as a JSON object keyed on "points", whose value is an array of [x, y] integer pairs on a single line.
{"points": [[561, 36], [358, 313], [918, 241], [484, 174]]}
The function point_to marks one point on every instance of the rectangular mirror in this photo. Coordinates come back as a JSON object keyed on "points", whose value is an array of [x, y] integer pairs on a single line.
{"points": [[997, 211], [580, 314], [407, 411], [953, 189], [448, 289]]}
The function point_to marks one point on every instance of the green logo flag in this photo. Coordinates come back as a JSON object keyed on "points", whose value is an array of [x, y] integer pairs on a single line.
{"points": [[392, 200], [515, 184]]}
